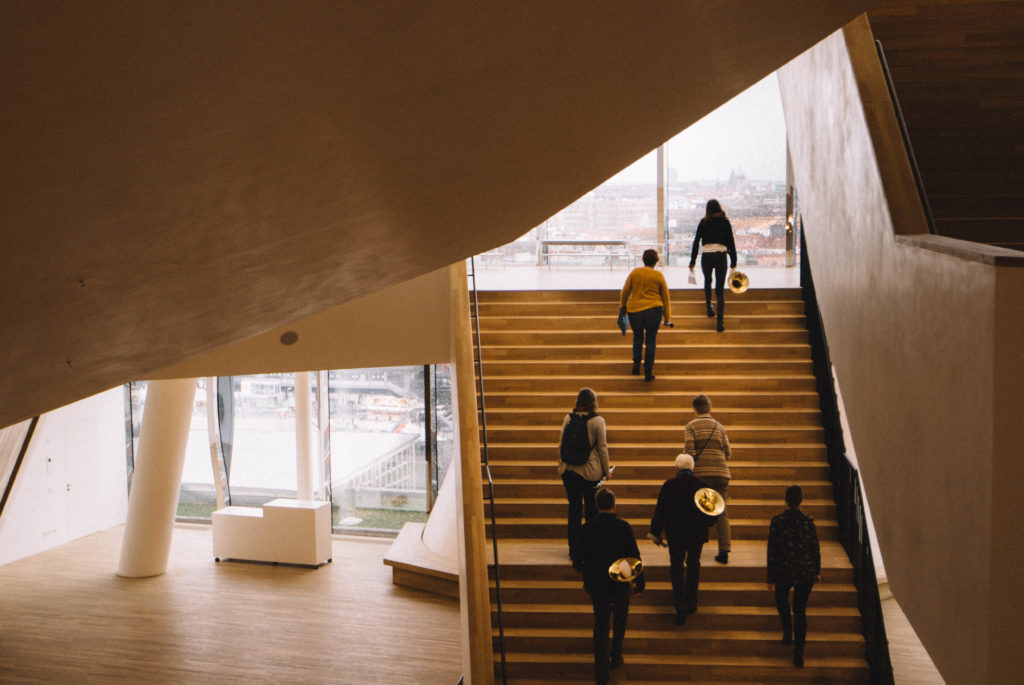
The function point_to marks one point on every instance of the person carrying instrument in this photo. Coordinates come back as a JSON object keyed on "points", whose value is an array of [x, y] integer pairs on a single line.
{"points": [[605, 539]]}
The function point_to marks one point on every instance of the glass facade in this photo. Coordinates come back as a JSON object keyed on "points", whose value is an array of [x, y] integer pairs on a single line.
{"points": [[380, 459], [736, 154]]}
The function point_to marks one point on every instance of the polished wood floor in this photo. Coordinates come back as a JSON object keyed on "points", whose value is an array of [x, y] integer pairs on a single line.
{"points": [[65, 617]]}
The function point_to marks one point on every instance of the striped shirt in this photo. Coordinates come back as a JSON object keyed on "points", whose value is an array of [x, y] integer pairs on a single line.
{"points": [[707, 433]]}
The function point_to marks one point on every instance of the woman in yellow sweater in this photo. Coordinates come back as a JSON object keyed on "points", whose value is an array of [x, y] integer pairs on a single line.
{"points": [[645, 298]]}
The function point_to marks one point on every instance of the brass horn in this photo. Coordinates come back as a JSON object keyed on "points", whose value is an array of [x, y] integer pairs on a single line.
{"points": [[626, 569], [738, 282], [709, 501]]}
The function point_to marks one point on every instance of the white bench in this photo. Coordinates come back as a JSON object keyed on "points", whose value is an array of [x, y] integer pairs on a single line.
{"points": [[283, 531]]}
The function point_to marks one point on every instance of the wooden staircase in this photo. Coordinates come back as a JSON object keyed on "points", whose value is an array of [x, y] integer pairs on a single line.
{"points": [[538, 350]]}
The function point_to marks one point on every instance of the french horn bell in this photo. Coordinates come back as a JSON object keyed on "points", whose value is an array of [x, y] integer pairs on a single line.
{"points": [[626, 569], [738, 282], [709, 501]]}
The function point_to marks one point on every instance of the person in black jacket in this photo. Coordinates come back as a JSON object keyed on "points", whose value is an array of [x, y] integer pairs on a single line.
{"points": [[794, 561], [715, 232], [605, 539], [686, 528]]}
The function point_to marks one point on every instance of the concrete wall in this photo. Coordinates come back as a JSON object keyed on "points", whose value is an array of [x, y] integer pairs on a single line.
{"points": [[919, 342], [72, 481]]}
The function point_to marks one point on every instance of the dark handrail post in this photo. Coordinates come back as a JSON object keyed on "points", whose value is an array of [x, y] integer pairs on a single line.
{"points": [[487, 467]]}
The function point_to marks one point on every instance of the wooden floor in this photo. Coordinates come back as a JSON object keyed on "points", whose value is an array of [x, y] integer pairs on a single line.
{"points": [[65, 617]]}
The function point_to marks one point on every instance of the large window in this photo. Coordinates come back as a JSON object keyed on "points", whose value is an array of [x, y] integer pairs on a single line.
{"points": [[736, 154], [387, 442]]}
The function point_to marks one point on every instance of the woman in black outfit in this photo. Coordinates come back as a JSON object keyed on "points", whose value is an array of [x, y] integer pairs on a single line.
{"points": [[715, 232]]}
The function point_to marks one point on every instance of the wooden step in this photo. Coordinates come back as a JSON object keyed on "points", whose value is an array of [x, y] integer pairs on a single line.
{"points": [[631, 504], [772, 491], [644, 616], [788, 416], [532, 297], [569, 324], [673, 640], [668, 348], [638, 433], [659, 592], [689, 668], [772, 472], [805, 399], [610, 335], [621, 366], [686, 385], [554, 527]]}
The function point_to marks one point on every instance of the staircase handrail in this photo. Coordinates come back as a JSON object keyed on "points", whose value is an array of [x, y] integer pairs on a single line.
{"points": [[485, 461], [854, 531], [905, 134], [9, 487]]}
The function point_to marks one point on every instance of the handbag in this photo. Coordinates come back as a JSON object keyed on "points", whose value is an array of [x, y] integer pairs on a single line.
{"points": [[623, 321]]}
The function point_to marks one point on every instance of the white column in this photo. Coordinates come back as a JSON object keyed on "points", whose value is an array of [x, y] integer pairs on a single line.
{"points": [[304, 466], [153, 500]]}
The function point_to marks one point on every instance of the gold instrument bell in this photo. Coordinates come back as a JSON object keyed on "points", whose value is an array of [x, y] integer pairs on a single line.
{"points": [[709, 501], [738, 282], [627, 570]]}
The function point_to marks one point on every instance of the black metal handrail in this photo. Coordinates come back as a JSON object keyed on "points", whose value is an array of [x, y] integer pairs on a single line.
{"points": [[854, 533], [905, 134], [17, 463], [481, 408]]}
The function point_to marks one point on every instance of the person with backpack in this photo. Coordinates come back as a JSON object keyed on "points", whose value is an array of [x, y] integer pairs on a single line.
{"points": [[583, 462]]}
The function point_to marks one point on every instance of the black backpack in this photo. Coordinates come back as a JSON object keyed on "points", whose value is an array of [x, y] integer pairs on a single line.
{"points": [[575, 447]]}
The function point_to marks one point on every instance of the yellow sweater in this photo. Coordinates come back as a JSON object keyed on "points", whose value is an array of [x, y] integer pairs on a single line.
{"points": [[645, 289]]}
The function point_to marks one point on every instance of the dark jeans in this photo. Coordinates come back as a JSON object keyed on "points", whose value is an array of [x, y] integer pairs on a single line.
{"points": [[715, 263], [580, 493], [645, 326], [606, 605], [684, 584], [798, 624]]}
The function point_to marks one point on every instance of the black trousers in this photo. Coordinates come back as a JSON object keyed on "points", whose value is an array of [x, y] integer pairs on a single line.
{"points": [[684, 582], [645, 328], [611, 608], [580, 493], [798, 623], [715, 263]]}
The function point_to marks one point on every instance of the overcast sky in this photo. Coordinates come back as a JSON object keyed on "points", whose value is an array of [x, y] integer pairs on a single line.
{"points": [[747, 133]]}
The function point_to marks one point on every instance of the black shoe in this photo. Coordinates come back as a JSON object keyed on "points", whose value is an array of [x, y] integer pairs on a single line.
{"points": [[615, 662], [722, 558], [636, 369], [721, 326], [649, 377], [680, 619], [798, 659], [711, 312]]}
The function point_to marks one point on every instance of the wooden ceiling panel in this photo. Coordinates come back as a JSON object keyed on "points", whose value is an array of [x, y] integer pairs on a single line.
{"points": [[177, 176]]}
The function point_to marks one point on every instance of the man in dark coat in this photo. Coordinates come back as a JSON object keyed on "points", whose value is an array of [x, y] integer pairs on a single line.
{"points": [[686, 528], [605, 539], [794, 561]]}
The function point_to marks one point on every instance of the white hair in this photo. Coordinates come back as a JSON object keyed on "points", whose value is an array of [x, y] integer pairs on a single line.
{"points": [[684, 461]]}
